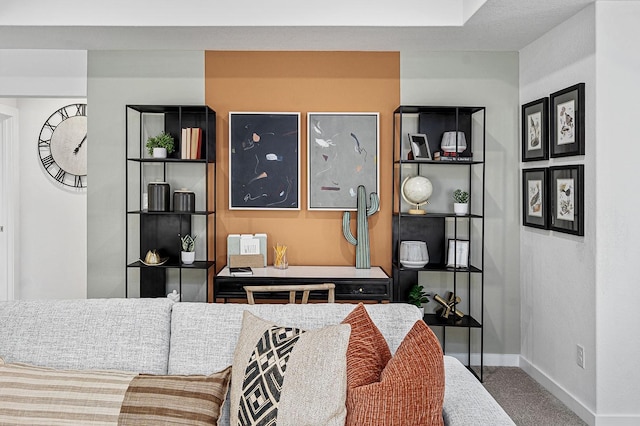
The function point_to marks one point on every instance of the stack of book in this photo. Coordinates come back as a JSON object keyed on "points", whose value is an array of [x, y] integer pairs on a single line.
{"points": [[240, 271], [191, 143]]}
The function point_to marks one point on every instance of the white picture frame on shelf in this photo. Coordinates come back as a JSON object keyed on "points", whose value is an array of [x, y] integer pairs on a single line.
{"points": [[458, 254], [420, 146]]}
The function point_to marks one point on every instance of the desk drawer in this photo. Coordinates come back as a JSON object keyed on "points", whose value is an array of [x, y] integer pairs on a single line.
{"points": [[345, 289], [357, 289]]}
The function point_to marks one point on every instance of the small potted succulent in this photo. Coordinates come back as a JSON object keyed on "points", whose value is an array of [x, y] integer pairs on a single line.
{"points": [[417, 296], [188, 254], [161, 145], [461, 204]]}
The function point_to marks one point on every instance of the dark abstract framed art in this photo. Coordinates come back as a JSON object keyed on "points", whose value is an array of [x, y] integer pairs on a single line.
{"points": [[264, 160]]}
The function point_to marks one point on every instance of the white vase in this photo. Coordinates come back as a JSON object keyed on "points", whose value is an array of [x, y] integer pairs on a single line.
{"points": [[461, 208], [188, 257], [159, 152]]}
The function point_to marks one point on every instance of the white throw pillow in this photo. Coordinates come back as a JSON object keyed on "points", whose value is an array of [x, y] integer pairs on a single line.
{"points": [[291, 376]]}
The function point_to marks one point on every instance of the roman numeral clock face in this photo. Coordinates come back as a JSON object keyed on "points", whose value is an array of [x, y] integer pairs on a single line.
{"points": [[62, 145]]}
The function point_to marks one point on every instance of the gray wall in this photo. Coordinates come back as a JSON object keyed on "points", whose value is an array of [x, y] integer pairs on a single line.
{"points": [[52, 219], [115, 79], [49, 221], [557, 270], [617, 249], [488, 79]]}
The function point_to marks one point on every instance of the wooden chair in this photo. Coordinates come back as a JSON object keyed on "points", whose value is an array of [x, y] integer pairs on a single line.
{"points": [[292, 289]]}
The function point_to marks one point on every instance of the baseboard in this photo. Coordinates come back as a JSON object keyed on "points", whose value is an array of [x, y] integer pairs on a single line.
{"points": [[563, 395], [628, 420], [490, 360]]}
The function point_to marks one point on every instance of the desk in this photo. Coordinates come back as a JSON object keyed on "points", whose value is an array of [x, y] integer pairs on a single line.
{"points": [[351, 283]]}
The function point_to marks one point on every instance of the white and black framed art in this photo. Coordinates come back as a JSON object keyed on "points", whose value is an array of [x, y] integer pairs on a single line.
{"points": [[342, 154], [567, 121], [264, 160], [566, 194], [535, 198], [535, 130]]}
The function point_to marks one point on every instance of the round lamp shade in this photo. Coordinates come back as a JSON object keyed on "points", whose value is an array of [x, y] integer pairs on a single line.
{"points": [[452, 141], [416, 190]]}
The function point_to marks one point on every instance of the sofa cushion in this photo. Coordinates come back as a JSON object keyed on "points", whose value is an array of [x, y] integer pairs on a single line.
{"points": [[118, 334], [40, 395], [287, 376], [204, 335], [409, 389]]}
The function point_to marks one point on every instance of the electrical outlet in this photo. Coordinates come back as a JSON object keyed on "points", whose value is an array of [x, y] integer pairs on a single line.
{"points": [[580, 356]]}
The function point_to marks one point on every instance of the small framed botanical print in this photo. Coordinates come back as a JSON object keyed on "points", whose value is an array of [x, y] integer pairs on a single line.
{"points": [[567, 198], [567, 121], [535, 130], [535, 198]]}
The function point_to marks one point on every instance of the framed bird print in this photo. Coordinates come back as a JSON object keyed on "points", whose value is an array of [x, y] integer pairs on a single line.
{"points": [[535, 198], [567, 121], [567, 199], [535, 130]]}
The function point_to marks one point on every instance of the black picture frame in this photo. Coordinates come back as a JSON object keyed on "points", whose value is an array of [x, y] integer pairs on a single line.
{"points": [[566, 192], [535, 130], [535, 197], [567, 121], [264, 160]]}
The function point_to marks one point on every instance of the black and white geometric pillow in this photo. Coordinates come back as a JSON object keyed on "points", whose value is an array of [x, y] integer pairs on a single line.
{"points": [[286, 376], [264, 376]]}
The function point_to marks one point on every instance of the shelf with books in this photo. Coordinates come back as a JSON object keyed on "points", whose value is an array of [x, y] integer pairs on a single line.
{"points": [[190, 169]]}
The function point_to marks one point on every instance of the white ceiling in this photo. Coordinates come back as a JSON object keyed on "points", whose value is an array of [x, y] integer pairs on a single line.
{"points": [[373, 25]]}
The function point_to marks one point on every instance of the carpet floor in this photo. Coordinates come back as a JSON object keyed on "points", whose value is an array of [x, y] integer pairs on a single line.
{"points": [[525, 400]]}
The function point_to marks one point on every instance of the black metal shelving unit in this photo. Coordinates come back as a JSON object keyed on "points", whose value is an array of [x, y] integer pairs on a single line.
{"points": [[160, 230], [440, 223]]}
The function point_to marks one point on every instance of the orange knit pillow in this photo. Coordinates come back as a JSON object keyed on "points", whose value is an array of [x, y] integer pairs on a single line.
{"points": [[368, 352], [408, 390]]}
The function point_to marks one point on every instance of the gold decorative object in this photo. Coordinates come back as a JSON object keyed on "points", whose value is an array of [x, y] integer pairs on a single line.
{"points": [[153, 259], [449, 305]]}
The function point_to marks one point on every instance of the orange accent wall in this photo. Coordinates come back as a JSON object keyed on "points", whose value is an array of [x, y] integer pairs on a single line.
{"points": [[302, 82]]}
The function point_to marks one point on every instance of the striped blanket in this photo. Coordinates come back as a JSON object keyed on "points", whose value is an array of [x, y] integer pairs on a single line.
{"points": [[31, 395]]}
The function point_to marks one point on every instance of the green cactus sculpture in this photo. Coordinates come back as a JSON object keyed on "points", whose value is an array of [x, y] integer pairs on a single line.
{"points": [[363, 259]]}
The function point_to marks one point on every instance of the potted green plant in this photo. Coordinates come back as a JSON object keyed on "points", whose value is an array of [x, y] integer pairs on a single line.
{"points": [[417, 296], [161, 145], [461, 204], [188, 254]]}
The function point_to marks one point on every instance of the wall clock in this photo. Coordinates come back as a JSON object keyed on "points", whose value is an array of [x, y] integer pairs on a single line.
{"points": [[62, 145]]}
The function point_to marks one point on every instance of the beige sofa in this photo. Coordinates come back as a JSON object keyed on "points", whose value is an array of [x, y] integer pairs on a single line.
{"points": [[158, 336]]}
